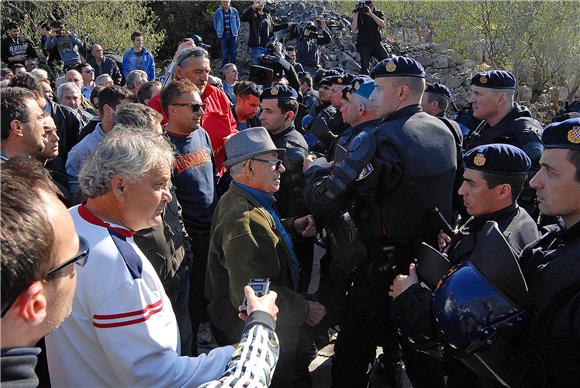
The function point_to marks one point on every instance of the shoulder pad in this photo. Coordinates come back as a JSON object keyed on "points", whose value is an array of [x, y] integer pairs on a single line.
{"points": [[361, 145]]}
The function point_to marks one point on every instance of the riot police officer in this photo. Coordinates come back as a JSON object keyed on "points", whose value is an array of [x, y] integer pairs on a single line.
{"points": [[504, 121], [494, 176], [551, 266], [393, 174]]}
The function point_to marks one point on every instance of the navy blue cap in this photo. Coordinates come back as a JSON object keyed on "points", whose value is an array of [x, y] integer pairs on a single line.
{"points": [[363, 85], [279, 92], [340, 79], [346, 92], [440, 89], [398, 66], [503, 159], [494, 79], [325, 81], [565, 134]]}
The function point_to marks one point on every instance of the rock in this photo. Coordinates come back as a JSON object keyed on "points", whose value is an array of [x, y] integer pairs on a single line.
{"points": [[441, 62], [543, 98], [525, 93], [454, 82], [352, 66], [562, 93]]}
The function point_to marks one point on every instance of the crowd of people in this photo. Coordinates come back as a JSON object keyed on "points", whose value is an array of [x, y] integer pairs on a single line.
{"points": [[454, 246]]}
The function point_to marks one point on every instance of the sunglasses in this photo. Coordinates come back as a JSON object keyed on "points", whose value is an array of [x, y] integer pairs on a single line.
{"points": [[89, 70], [277, 163], [80, 258], [194, 107]]}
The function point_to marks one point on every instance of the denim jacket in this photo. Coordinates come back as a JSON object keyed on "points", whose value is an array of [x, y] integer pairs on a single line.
{"points": [[218, 22], [131, 62]]}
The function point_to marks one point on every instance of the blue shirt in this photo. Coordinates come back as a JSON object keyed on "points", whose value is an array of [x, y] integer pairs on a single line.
{"points": [[268, 201], [79, 153]]}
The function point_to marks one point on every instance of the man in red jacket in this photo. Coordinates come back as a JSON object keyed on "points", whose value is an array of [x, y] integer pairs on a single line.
{"points": [[218, 120]]}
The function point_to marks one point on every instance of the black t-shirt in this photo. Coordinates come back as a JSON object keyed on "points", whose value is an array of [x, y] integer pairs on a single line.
{"points": [[368, 29]]}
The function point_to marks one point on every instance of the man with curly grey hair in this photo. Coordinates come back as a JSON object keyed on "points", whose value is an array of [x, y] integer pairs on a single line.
{"points": [[123, 330]]}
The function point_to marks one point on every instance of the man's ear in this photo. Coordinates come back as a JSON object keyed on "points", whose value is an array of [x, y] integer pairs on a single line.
{"points": [[505, 191], [16, 127], [31, 304], [119, 186]]}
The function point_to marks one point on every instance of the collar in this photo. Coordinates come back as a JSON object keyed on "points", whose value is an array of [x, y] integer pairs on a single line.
{"points": [[284, 132], [571, 233], [406, 111], [93, 219], [207, 91], [48, 106], [475, 223], [265, 199]]}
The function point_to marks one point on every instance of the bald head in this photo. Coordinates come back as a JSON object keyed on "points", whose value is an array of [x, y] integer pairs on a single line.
{"points": [[74, 77]]}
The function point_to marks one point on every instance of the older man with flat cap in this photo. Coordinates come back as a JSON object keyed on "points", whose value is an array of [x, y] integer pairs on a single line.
{"points": [[504, 121], [250, 240], [551, 265], [494, 177], [394, 174]]}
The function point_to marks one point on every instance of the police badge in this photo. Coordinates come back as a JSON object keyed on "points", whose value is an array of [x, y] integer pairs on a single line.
{"points": [[479, 160], [573, 135]]}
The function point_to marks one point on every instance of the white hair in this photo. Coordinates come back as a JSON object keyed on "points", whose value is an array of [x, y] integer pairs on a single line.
{"points": [[103, 79], [67, 86], [135, 76], [127, 151], [39, 74]]}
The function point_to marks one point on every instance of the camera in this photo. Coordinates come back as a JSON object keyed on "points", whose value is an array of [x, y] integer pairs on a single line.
{"points": [[361, 6], [261, 287]]}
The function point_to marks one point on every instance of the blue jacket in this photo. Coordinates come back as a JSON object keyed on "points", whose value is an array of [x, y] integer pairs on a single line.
{"points": [[218, 22], [130, 62]]}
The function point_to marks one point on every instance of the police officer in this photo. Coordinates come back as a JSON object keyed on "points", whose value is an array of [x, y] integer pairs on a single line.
{"points": [[551, 266], [345, 250], [435, 102], [391, 177], [327, 122], [494, 176], [504, 121]]}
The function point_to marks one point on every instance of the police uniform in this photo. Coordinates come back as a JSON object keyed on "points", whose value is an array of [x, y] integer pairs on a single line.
{"points": [[551, 267], [327, 122], [517, 128], [412, 309], [390, 179], [457, 132]]}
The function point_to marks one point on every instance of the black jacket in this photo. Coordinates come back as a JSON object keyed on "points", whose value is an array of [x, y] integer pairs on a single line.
{"points": [[307, 49], [551, 267], [261, 27], [20, 46], [108, 66], [68, 125], [289, 200]]}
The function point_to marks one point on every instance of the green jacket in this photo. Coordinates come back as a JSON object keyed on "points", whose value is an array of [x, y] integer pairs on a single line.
{"points": [[246, 244]]}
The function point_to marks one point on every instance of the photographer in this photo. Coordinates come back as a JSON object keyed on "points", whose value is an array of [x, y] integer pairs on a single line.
{"points": [[308, 42], [261, 27], [274, 60], [67, 43], [367, 21]]}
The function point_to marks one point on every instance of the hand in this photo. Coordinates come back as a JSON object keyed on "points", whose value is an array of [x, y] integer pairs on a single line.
{"points": [[443, 239], [367, 10], [321, 162], [308, 162], [402, 282], [185, 44], [316, 312], [266, 303], [305, 226]]}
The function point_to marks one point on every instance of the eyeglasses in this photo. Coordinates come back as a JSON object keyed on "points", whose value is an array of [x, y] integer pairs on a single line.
{"points": [[80, 258], [194, 107], [276, 162], [89, 70]]}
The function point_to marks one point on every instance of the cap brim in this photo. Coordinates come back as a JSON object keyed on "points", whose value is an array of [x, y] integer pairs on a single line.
{"points": [[230, 162]]}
